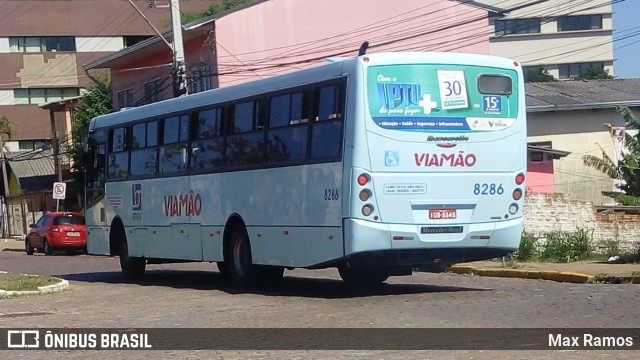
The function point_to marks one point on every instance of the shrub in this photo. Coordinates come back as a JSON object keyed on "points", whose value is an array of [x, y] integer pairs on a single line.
{"points": [[566, 247], [527, 248]]}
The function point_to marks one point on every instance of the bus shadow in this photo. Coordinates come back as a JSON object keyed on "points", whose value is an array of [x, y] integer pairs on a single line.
{"points": [[293, 286]]}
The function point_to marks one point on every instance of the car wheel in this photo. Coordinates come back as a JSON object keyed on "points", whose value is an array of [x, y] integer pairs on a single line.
{"points": [[27, 247], [48, 250]]}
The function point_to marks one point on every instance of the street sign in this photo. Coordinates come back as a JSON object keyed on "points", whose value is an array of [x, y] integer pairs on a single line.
{"points": [[59, 190]]}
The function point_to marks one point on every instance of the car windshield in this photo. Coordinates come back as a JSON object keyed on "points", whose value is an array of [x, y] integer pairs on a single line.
{"points": [[68, 219]]}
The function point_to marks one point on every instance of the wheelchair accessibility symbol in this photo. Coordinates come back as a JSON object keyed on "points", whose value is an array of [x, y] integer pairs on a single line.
{"points": [[391, 158]]}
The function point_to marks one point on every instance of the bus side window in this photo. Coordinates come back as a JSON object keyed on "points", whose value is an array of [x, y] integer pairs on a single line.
{"points": [[326, 132], [118, 161], [207, 147], [245, 142], [288, 130], [173, 152], [144, 153]]}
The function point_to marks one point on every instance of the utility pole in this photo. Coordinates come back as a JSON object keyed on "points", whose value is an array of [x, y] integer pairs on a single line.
{"points": [[179, 66]]}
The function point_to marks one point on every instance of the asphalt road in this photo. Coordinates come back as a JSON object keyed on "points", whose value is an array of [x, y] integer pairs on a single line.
{"points": [[195, 296]]}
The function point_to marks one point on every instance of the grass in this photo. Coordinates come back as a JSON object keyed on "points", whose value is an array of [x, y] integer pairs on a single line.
{"points": [[20, 282]]}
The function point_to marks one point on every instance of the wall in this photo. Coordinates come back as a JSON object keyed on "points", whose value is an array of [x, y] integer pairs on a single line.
{"points": [[277, 36], [581, 133], [545, 213]]}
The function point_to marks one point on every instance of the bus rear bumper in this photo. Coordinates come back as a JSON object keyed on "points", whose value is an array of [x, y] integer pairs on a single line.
{"points": [[474, 242]]}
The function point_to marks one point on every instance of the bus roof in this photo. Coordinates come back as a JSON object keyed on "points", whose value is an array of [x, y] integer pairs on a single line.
{"points": [[330, 70]]}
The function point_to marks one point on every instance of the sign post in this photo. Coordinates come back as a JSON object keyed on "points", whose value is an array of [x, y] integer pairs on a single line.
{"points": [[59, 192]]}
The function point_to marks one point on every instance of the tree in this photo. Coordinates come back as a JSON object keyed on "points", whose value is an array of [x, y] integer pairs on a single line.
{"points": [[212, 10], [96, 101], [537, 74], [627, 169], [594, 73]]}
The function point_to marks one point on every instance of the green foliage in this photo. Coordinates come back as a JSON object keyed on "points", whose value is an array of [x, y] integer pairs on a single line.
{"points": [[566, 247], [537, 74], [527, 249], [223, 5], [96, 101], [627, 169], [594, 73]]}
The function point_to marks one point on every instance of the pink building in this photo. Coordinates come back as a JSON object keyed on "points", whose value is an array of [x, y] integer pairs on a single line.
{"points": [[264, 38], [540, 173]]}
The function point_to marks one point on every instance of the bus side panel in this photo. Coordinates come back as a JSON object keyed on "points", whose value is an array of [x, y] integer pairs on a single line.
{"points": [[97, 241]]}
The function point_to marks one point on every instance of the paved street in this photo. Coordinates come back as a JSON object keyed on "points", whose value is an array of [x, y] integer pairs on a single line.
{"points": [[194, 295]]}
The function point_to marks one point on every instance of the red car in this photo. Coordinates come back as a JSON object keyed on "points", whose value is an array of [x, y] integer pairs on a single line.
{"points": [[57, 230]]}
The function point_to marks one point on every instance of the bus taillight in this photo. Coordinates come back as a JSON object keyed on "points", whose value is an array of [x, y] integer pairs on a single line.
{"points": [[367, 210], [517, 194], [364, 194], [519, 179], [363, 179]]}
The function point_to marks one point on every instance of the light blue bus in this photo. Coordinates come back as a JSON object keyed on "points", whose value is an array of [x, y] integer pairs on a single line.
{"points": [[375, 165]]}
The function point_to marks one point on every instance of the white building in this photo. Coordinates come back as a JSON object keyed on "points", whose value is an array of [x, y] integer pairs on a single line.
{"points": [[562, 36]]}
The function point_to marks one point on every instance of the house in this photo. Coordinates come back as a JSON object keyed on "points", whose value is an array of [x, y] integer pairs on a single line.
{"points": [[265, 38], [565, 122], [43, 45]]}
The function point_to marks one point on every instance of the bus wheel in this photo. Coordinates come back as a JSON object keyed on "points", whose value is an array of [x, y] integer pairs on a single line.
{"points": [[132, 267], [362, 276], [238, 258]]}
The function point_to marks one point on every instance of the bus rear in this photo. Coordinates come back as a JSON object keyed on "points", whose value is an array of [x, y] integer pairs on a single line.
{"points": [[437, 166]]}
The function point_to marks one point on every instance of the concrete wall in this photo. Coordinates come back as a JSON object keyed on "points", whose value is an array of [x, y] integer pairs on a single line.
{"points": [[544, 213]]}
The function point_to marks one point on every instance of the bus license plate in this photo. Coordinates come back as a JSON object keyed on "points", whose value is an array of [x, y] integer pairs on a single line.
{"points": [[73, 233], [442, 214]]}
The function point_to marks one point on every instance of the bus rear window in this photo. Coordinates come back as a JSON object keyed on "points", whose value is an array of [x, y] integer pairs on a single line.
{"points": [[494, 84]]}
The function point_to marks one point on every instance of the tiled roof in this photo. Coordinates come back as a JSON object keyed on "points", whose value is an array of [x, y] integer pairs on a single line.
{"points": [[573, 95]]}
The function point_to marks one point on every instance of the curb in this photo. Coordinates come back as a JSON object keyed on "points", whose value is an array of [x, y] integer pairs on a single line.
{"points": [[48, 289], [557, 276]]}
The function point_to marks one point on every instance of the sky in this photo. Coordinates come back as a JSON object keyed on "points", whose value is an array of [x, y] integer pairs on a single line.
{"points": [[626, 15]]}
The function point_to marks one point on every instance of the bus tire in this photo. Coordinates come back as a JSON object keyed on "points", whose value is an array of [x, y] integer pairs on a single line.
{"points": [[238, 258], [132, 267], [362, 276]]}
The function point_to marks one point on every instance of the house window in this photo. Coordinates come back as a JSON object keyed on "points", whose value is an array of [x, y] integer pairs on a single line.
{"points": [[517, 26], [40, 96], [125, 98], [132, 40], [201, 79], [42, 43], [538, 156], [579, 22], [568, 71], [153, 91]]}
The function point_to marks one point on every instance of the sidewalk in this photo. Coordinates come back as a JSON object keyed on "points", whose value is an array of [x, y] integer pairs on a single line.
{"points": [[576, 272]]}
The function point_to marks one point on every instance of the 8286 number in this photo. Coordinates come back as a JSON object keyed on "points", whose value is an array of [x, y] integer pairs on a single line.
{"points": [[331, 194], [488, 189]]}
